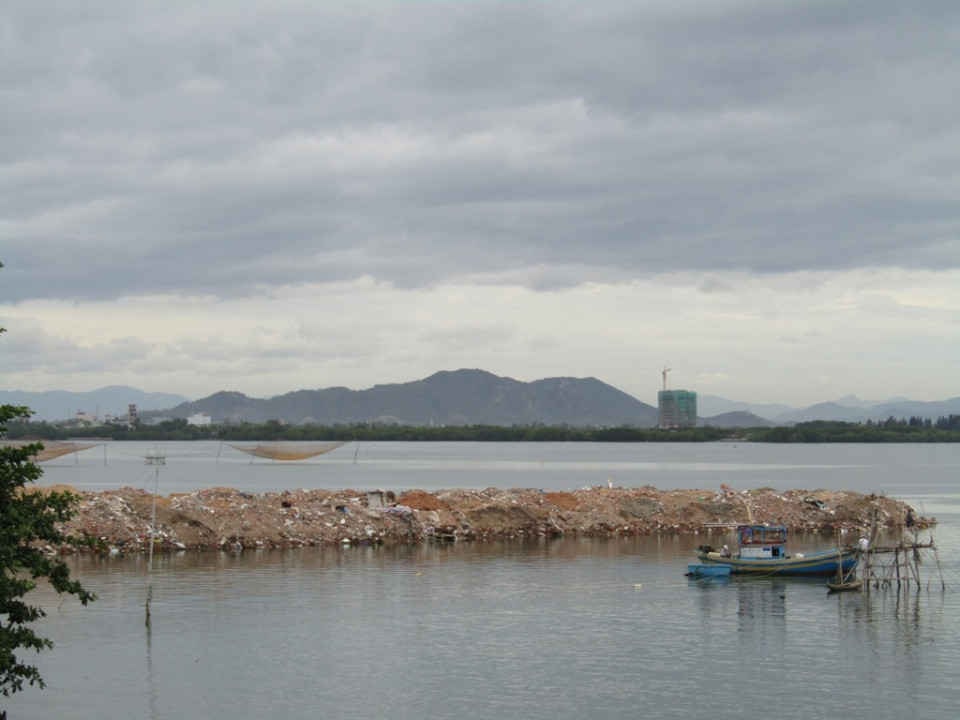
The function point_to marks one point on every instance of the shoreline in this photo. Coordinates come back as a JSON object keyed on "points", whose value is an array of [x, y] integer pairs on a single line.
{"points": [[118, 521]]}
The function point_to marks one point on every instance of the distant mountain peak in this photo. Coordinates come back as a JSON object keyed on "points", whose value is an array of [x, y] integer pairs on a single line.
{"points": [[230, 394], [448, 397]]}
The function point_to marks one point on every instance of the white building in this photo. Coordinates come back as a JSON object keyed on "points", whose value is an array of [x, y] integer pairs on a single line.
{"points": [[199, 419]]}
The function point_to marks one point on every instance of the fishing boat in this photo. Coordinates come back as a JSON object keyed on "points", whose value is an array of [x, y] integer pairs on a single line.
{"points": [[709, 571], [844, 581], [762, 550], [845, 586]]}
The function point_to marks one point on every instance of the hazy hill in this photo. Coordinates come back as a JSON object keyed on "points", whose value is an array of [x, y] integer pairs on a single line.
{"points": [[457, 397], [910, 408], [736, 419], [63, 404], [711, 405], [896, 408], [824, 411], [849, 408], [463, 397]]}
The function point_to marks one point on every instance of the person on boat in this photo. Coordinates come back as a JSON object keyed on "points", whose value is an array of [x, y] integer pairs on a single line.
{"points": [[725, 551]]}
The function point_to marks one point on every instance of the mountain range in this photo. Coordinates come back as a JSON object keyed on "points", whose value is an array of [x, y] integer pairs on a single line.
{"points": [[456, 397], [112, 400], [847, 409], [462, 397]]}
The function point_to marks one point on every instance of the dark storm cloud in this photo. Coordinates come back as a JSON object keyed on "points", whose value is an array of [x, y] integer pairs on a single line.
{"points": [[242, 145]]}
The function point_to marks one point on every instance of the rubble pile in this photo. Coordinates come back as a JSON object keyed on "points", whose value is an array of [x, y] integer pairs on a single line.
{"points": [[119, 521]]}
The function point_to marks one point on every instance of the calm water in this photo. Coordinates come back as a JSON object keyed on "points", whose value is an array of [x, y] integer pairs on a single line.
{"points": [[565, 629]]}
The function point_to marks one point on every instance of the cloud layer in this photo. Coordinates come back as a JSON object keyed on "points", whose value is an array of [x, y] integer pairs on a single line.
{"points": [[234, 147], [273, 195], [794, 338]]}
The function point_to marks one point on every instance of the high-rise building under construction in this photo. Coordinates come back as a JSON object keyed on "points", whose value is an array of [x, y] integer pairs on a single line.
{"points": [[678, 408]]}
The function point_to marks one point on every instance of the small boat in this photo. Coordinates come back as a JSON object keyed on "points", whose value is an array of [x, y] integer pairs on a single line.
{"points": [[762, 550], [698, 570], [848, 586], [845, 581]]}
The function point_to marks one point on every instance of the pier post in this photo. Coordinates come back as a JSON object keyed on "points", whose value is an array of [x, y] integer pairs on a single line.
{"points": [[896, 561]]}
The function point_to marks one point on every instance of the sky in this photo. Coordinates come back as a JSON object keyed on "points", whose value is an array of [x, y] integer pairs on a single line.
{"points": [[269, 196]]}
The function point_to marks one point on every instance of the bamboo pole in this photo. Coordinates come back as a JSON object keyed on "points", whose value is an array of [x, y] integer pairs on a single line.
{"points": [[936, 556]]}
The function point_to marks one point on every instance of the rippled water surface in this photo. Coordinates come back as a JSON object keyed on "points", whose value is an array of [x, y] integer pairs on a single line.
{"points": [[562, 629]]}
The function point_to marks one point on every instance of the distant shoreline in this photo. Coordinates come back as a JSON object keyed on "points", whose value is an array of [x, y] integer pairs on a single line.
{"points": [[914, 430]]}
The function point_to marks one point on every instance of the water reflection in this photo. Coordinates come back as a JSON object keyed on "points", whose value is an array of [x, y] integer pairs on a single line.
{"points": [[539, 629], [151, 681], [397, 466]]}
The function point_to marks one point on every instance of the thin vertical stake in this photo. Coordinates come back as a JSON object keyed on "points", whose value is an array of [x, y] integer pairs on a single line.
{"points": [[156, 459]]}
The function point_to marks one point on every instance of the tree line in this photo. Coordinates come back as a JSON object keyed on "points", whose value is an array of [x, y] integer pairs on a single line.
{"points": [[891, 430], [914, 429]]}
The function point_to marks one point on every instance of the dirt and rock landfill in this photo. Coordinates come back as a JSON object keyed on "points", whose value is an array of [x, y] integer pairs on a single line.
{"points": [[119, 521]]}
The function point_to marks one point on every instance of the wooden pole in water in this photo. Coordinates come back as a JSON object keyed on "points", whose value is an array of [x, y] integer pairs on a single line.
{"points": [[915, 565], [153, 526], [874, 535], [896, 562], [839, 560], [936, 556], [156, 460], [865, 568]]}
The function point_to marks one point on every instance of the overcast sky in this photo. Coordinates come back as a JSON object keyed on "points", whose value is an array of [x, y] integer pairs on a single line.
{"points": [[271, 196]]}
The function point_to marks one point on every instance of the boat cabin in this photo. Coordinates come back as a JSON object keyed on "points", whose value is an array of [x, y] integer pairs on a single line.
{"points": [[762, 542]]}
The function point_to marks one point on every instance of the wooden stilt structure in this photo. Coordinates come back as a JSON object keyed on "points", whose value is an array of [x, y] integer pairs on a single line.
{"points": [[878, 570]]}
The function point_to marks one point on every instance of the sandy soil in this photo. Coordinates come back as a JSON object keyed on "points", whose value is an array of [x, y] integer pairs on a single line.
{"points": [[119, 520]]}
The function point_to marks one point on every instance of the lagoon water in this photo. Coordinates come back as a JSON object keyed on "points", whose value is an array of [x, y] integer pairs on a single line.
{"points": [[560, 629]]}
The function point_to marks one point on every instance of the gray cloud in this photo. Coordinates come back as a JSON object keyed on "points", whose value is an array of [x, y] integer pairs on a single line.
{"points": [[235, 146], [31, 350]]}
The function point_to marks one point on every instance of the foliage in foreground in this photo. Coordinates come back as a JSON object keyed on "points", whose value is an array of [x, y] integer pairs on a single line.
{"points": [[27, 517]]}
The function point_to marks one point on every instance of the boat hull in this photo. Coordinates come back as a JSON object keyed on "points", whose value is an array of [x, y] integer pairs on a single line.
{"points": [[811, 565], [711, 570], [850, 586]]}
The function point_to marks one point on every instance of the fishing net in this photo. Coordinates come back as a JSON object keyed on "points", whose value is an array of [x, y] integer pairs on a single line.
{"points": [[288, 451]]}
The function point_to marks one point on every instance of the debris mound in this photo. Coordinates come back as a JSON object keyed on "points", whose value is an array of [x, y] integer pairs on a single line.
{"points": [[119, 521]]}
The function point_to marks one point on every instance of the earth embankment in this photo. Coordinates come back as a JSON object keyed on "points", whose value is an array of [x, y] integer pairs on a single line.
{"points": [[120, 520]]}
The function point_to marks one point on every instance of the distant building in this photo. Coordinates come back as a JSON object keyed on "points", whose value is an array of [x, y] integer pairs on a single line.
{"points": [[678, 408], [84, 418], [199, 419], [132, 417]]}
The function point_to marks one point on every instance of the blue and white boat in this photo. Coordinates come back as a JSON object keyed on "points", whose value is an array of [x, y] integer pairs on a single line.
{"points": [[699, 570], [762, 549]]}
